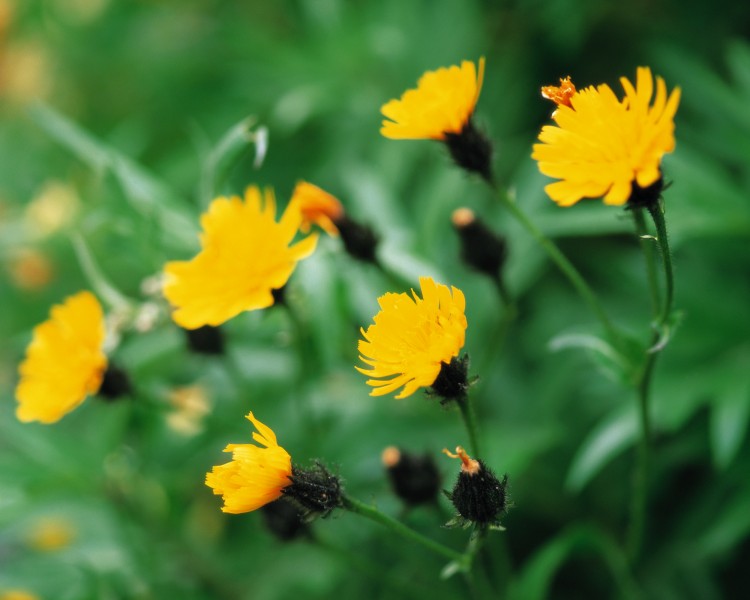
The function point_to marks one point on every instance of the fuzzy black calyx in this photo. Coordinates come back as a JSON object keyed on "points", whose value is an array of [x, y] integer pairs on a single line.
{"points": [[452, 383], [206, 340], [315, 490], [479, 498], [647, 197], [471, 150]]}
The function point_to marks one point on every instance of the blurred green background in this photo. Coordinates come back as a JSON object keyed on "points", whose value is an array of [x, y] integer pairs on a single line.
{"points": [[110, 502]]}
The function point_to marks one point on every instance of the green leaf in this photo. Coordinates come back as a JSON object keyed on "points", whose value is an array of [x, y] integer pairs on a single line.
{"points": [[729, 423], [148, 196], [227, 151], [617, 364], [537, 575], [610, 437]]}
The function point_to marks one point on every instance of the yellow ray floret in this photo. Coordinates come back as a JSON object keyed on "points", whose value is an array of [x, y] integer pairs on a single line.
{"points": [[317, 206], [442, 102], [602, 145], [255, 476], [64, 362], [411, 338], [245, 255]]}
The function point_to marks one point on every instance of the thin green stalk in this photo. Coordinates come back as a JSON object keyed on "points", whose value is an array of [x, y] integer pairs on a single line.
{"points": [[502, 290], [648, 254], [372, 513], [562, 263], [657, 214], [639, 499], [470, 421], [639, 504]]}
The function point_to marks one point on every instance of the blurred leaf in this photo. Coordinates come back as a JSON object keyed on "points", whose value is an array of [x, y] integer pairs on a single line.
{"points": [[729, 422], [147, 195], [537, 574], [729, 527], [617, 365], [227, 151], [607, 439], [101, 285]]}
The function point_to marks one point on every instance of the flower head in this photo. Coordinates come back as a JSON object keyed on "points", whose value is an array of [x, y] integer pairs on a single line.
{"points": [[255, 476], [245, 255], [442, 103], [318, 207], [412, 338], [603, 146], [64, 362]]}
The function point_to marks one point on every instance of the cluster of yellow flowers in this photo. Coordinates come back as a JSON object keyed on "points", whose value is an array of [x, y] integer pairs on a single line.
{"points": [[599, 146]]}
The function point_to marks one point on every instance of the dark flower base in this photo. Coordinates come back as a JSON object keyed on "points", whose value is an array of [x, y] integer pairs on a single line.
{"points": [[115, 384], [415, 479], [471, 150], [647, 197], [316, 491], [360, 241], [452, 382], [480, 497], [205, 340]]}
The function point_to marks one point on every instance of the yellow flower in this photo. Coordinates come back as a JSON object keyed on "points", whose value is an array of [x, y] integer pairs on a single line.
{"points": [[318, 207], [412, 337], [442, 103], [245, 255], [255, 476], [17, 594], [50, 534], [64, 362], [601, 146]]}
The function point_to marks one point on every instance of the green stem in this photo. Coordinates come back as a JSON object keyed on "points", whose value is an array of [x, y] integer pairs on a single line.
{"points": [[648, 254], [502, 290], [639, 512], [467, 413], [657, 214], [372, 513], [562, 263], [639, 501]]}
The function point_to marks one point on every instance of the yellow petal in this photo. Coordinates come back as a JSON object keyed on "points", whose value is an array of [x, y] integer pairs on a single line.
{"points": [[64, 362]]}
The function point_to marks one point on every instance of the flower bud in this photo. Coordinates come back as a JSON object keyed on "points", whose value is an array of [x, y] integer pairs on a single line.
{"points": [[415, 479], [481, 248], [360, 241], [471, 150], [478, 495]]}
